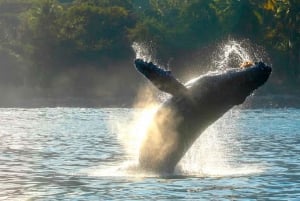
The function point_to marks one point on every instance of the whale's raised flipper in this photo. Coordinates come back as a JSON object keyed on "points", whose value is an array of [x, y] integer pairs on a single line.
{"points": [[162, 79]]}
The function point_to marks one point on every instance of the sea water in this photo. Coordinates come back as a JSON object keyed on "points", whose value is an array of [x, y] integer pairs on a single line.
{"points": [[91, 154]]}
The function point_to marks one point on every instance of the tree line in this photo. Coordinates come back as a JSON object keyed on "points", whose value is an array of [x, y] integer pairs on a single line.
{"points": [[39, 38]]}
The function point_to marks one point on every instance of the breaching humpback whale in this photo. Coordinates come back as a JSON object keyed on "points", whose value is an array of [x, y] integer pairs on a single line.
{"points": [[192, 108]]}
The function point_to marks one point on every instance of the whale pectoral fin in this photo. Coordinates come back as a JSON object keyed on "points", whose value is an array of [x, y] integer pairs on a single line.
{"points": [[162, 79], [171, 85]]}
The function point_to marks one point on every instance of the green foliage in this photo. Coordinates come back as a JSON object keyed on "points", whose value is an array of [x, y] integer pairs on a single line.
{"points": [[272, 23], [176, 26], [50, 34], [89, 29], [40, 26], [59, 32]]}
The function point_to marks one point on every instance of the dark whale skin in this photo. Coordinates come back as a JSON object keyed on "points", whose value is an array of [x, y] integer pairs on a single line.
{"points": [[180, 120]]}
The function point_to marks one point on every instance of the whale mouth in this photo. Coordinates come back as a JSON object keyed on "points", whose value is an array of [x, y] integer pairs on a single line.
{"points": [[252, 77], [264, 71], [264, 67]]}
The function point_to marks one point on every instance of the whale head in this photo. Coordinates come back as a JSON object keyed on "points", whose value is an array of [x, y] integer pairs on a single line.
{"points": [[232, 85]]}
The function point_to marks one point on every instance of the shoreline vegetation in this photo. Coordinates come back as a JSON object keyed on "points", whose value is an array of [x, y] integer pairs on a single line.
{"points": [[78, 53]]}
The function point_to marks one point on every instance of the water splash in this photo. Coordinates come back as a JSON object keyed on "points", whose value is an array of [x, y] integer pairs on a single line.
{"points": [[211, 156], [143, 51], [131, 134], [125, 169], [232, 53]]}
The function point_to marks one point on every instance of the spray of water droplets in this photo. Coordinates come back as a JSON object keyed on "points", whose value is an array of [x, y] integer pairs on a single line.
{"points": [[146, 52], [143, 51], [232, 53]]}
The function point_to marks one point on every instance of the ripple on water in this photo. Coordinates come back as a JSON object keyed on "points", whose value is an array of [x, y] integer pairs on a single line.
{"points": [[76, 154]]}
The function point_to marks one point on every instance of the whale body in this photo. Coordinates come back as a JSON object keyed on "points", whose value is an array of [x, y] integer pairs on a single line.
{"points": [[180, 120]]}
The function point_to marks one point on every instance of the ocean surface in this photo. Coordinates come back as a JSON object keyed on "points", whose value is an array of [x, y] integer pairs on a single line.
{"points": [[91, 154]]}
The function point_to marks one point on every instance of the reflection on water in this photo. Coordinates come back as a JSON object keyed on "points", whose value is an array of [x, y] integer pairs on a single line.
{"points": [[80, 154]]}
